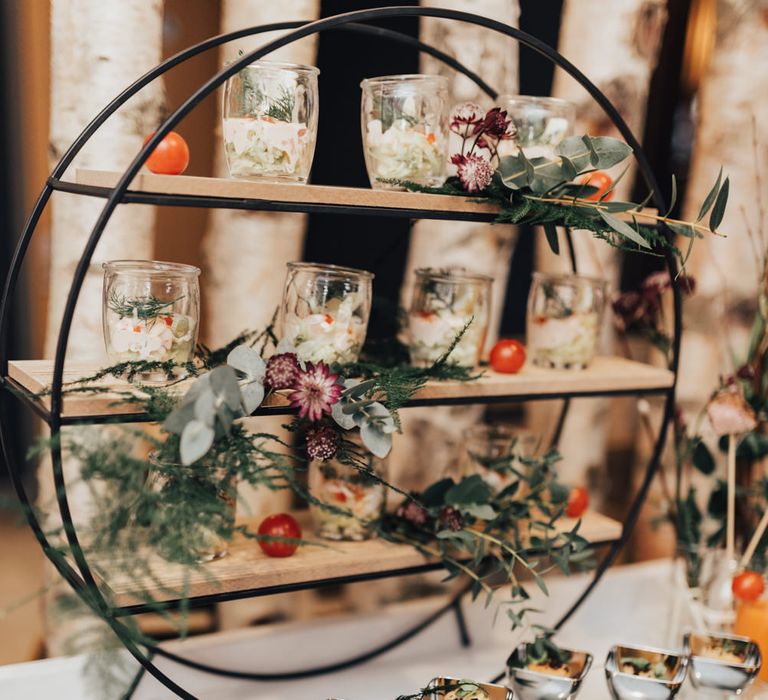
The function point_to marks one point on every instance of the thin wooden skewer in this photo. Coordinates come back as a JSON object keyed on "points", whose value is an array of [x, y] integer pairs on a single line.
{"points": [[759, 532], [731, 520]]}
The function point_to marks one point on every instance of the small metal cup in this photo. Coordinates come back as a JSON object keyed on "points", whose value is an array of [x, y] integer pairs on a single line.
{"points": [[626, 686], [437, 689], [708, 673], [537, 685]]}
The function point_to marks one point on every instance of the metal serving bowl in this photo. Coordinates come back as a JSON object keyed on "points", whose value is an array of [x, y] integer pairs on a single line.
{"points": [[495, 692], [537, 685], [627, 686], [708, 673]]}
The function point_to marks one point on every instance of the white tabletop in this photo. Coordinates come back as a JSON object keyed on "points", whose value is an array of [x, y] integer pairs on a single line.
{"points": [[632, 604]]}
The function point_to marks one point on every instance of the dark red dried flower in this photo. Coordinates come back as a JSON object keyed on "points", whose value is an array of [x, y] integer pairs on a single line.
{"points": [[475, 172], [282, 371], [495, 124], [322, 443], [450, 519], [746, 372], [628, 310], [413, 513]]}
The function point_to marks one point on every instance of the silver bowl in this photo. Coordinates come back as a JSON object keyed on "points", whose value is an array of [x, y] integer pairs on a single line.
{"points": [[538, 685], [627, 686], [437, 690], [708, 673]]}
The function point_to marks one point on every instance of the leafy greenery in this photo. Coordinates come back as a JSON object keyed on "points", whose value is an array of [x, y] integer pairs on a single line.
{"points": [[145, 309]]}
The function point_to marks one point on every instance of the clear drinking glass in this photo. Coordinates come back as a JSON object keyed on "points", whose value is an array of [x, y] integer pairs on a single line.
{"points": [[444, 302], [207, 536], [494, 451], [564, 318], [270, 121], [404, 120], [541, 123], [345, 487], [150, 311], [325, 311]]}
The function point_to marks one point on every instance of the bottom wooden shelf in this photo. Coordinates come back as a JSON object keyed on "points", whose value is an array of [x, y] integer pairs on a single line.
{"points": [[247, 571]]}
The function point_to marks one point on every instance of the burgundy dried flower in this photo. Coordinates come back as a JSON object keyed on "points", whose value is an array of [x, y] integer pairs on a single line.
{"points": [[322, 443], [495, 124], [450, 519], [628, 310], [729, 413], [282, 371], [413, 513], [746, 372], [315, 392], [464, 115], [475, 172]]}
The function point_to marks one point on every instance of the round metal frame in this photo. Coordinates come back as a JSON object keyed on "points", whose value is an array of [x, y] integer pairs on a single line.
{"points": [[80, 577]]}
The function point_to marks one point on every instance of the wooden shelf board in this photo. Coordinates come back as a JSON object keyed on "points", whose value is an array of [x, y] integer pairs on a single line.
{"points": [[605, 375], [247, 568], [230, 188]]}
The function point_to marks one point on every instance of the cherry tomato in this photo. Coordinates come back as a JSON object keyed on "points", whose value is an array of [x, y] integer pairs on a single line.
{"points": [[600, 180], [578, 501], [170, 157], [507, 356], [279, 525], [748, 586]]}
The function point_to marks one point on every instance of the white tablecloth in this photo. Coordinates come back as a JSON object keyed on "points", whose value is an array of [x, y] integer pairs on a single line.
{"points": [[632, 604]]}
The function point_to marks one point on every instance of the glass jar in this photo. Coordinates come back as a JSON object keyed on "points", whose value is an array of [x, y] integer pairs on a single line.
{"points": [[150, 312], [207, 536], [495, 452], [565, 315], [444, 303], [404, 120], [270, 121], [345, 487], [325, 311], [541, 124]]}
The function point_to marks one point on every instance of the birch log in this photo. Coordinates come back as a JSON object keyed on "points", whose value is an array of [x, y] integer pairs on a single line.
{"points": [[629, 33], [431, 436], [246, 253], [97, 48]]}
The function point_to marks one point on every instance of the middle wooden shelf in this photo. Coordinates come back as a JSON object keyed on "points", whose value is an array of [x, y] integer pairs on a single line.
{"points": [[246, 571]]}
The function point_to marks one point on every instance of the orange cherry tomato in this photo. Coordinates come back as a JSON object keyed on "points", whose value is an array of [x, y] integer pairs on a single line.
{"points": [[578, 502], [279, 525], [507, 356], [170, 157], [600, 180], [748, 586]]}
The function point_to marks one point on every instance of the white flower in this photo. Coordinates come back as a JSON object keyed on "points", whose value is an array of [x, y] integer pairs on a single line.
{"points": [[148, 341]]}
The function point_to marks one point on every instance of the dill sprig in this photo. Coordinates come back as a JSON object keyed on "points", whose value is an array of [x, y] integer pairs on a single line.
{"points": [[143, 309], [281, 107]]}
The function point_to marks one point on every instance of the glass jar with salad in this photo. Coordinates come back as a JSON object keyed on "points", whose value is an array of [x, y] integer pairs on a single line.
{"points": [[564, 319], [404, 120], [270, 121], [325, 311], [351, 497], [150, 312], [541, 123], [445, 304]]}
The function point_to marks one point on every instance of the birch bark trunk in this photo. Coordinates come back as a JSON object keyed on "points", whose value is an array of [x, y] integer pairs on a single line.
{"points": [[630, 34], [108, 45], [432, 436]]}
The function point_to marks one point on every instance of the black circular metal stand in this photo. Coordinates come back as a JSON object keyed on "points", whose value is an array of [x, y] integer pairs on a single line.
{"points": [[80, 576]]}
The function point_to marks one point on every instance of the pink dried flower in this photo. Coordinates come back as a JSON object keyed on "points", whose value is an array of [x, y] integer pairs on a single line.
{"points": [[496, 124], [282, 371], [628, 310], [464, 115], [322, 443], [475, 172], [315, 392], [450, 519], [413, 513], [730, 414]]}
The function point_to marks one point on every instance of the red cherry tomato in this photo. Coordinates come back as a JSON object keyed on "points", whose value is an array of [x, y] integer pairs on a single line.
{"points": [[600, 180], [170, 157], [578, 501], [279, 525], [507, 356], [748, 586]]}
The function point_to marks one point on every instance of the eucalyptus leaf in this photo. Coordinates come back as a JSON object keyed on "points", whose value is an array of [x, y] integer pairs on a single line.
{"points": [[672, 196], [248, 361], [623, 228], [196, 440], [380, 414], [686, 230], [376, 440], [205, 408], [344, 420], [600, 152], [178, 419], [709, 200], [471, 489], [702, 458], [716, 217], [252, 396], [613, 184], [617, 206], [225, 386], [550, 231], [481, 511]]}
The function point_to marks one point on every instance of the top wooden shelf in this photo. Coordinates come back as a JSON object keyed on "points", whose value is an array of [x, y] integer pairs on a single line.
{"points": [[606, 375], [187, 190]]}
